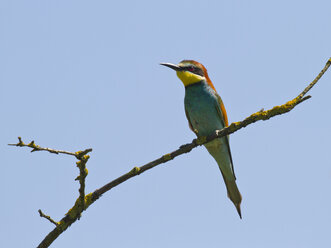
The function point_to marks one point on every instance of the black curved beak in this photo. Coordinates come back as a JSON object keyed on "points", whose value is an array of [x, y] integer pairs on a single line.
{"points": [[172, 66]]}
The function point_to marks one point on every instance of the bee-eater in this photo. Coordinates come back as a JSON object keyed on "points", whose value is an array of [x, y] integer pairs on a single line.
{"points": [[205, 113]]}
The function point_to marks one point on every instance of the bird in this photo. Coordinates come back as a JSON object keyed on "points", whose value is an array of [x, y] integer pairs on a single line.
{"points": [[206, 113]]}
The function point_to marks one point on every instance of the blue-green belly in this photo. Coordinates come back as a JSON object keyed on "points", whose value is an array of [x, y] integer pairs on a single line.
{"points": [[201, 108], [200, 105]]}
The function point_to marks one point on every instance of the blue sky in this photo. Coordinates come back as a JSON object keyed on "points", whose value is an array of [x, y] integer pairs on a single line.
{"points": [[79, 74]]}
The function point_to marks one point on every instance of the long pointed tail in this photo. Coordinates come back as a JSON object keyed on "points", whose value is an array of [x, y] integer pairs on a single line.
{"points": [[233, 194], [221, 153]]}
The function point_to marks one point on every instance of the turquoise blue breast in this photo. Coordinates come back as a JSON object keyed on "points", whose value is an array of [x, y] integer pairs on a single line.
{"points": [[201, 108]]}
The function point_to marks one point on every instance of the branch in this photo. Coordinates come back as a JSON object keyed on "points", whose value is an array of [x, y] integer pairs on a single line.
{"points": [[35, 148], [80, 202], [47, 217], [235, 126], [84, 201]]}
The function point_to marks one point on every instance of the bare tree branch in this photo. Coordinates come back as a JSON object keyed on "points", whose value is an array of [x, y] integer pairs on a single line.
{"points": [[84, 201], [35, 148]]}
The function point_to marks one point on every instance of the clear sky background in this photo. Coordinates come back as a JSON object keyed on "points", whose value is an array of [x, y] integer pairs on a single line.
{"points": [[80, 74]]}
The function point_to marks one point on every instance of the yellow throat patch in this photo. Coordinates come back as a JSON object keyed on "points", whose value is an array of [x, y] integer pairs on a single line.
{"points": [[189, 78]]}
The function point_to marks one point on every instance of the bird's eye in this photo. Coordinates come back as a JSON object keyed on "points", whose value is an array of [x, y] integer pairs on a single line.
{"points": [[190, 68]]}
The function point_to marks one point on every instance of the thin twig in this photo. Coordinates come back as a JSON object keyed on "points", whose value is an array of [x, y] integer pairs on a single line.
{"points": [[47, 217], [81, 164], [318, 77], [39, 148]]}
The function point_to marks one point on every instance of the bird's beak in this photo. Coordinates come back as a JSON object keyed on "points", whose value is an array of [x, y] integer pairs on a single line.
{"points": [[172, 66]]}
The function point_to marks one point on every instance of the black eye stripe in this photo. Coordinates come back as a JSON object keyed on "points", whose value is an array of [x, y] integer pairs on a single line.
{"points": [[189, 68], [193, 69]]}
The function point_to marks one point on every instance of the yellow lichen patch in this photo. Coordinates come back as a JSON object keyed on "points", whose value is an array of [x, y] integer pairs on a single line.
{"points": [[293, 102], [75, 211], [86, 157], [78, 153], [72, 213], [235, 124], [135, 170], [31, 144], [167, 157], [79, 164], [88, 200]]}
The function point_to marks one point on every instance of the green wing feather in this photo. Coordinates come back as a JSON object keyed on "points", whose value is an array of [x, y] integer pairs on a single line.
{"points": [[189, 122], [223, 117]]}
